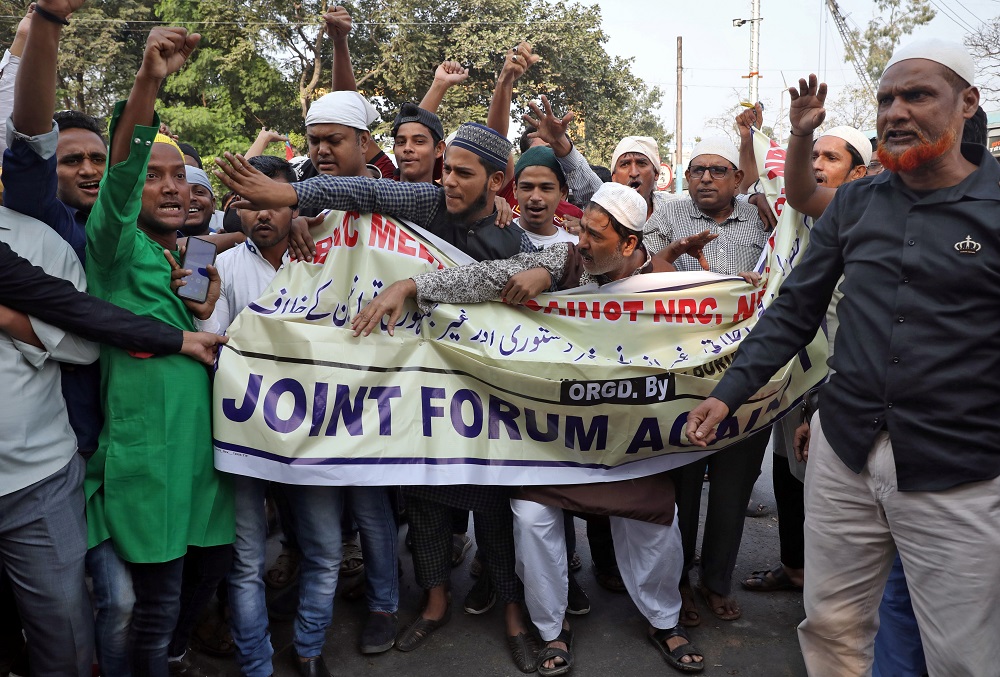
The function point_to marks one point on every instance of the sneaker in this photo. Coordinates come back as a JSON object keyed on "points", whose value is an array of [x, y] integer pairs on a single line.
{"points": [[578, 602], [460, 544], [481, 597], [379, 634]]}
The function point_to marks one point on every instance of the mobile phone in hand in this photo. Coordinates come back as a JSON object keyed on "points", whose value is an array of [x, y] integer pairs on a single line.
{"points": [[198, 256]]}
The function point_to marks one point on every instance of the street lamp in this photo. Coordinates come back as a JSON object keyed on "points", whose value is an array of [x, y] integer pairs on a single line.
{"points": [[754, 46]]}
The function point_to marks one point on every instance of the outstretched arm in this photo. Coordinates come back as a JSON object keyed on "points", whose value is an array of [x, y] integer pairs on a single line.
{"points": [[515, 64], [805, 114], [338, 27]]}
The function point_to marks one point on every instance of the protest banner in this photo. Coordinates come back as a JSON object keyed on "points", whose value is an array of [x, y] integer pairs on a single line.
{"points": [[580, 386]]}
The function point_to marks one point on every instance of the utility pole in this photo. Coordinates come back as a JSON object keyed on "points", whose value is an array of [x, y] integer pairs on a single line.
{"points": [[678, 174], [754, 50], [754, 22]]}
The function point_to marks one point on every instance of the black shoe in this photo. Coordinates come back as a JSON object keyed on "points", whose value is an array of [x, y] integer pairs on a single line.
{"points": [[578, 602], [185, 667], [312, 667], [379, 634], [481, 598]]}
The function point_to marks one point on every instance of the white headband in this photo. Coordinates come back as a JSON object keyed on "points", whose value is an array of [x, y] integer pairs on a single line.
{"points": [[342, 108]]}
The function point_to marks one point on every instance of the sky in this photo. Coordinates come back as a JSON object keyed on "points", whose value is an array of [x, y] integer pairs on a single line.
{"points": [[797, 37]]}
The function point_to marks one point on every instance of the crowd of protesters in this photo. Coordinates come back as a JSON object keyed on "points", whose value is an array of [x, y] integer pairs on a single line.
{"points": [[117, 532]]}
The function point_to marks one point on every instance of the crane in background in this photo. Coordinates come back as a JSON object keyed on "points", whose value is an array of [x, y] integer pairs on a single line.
{"points": [[854, 53]]}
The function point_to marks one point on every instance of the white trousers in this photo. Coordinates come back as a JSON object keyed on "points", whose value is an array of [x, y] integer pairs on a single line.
{"points": [[949, 542], [650, 558]]}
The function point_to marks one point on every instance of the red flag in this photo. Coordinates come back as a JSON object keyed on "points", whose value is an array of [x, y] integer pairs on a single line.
{"points": [[289, 151]]}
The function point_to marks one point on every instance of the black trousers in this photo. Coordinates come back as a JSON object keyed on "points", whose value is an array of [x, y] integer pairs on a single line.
{"points": [[732, 473], [789, 493]]}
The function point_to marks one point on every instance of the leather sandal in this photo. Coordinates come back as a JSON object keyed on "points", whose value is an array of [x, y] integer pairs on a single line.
{"points": [[550, 652], [417, 632], [524, 650], [674, 656], [769, 581]]}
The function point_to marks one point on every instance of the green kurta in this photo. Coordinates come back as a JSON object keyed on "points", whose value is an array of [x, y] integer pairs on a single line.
{"points": [[151, 487]]}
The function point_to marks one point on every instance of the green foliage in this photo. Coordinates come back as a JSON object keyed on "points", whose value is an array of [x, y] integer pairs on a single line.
{"points": [[893, 19], [261, 62]]}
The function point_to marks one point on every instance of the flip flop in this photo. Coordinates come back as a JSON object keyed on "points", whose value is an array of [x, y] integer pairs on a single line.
{"points": [[550, 652], [769, 581]]}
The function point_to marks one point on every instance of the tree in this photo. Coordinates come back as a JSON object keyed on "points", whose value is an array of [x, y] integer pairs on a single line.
{"points": [[893, 19], [985, 47]]}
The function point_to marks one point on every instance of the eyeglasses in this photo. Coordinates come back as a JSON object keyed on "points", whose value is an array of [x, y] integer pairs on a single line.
{"points": [[697, 171]]}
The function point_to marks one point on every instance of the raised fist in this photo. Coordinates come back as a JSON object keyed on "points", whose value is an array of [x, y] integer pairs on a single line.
{"points": [[167, 48]]}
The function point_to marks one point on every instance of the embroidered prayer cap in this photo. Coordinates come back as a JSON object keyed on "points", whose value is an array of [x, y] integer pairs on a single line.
{"points": [[198, 177], [623, 203], [411, 112], [484, 142], [644, 145], [717, 145], [854, 139], [342, 108], [163, 138], [948, 53], [539, 156]]}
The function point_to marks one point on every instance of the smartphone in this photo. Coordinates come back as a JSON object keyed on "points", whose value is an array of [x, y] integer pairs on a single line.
{"points": [[198, 256]]}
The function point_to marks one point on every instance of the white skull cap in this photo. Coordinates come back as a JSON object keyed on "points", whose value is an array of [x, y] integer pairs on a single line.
{"points": [[623, 203], [854, 139], [717, 145], [948, 53]]}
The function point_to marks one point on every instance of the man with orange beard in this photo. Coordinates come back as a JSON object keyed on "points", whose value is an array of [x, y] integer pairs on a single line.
{"points": [[900, 457]]}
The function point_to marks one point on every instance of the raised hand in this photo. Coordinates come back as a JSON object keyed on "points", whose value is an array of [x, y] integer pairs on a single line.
{"points": [[269, 136], [748, 119], [389, 302], [807, 111], [167, 48], [518, 60], [61, 8], [451, 73], [338, 23], [202, 346], [256, 190], [551, 129]]}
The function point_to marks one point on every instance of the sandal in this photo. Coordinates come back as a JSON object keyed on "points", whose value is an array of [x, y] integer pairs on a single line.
{"points": [[524, 651], [575, 563], [284, 571], [675, 656], [690, 617], [769, 581], [550, 653], [212, 636], [757, 510], [721, 615], [352, 562], [609, 579], [417, 632]]}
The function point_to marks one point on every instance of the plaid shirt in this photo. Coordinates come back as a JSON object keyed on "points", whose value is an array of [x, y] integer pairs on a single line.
{"points": [[737, 249], [417, 202]]}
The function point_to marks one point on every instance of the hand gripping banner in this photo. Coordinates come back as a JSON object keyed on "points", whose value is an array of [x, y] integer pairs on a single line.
{"points": [[587, 385]]}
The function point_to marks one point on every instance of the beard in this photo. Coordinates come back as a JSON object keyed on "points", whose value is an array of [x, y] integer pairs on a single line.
{"points": [[474, 207], [916, 157]]}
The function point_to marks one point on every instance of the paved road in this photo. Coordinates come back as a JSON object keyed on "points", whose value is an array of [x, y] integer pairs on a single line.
{"points": [[609, 641]]}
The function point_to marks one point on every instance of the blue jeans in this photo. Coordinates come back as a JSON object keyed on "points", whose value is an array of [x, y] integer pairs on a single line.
{"points": [[114, 599], [898, 650], [316, 512], [43, 543], [376, 522]]}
